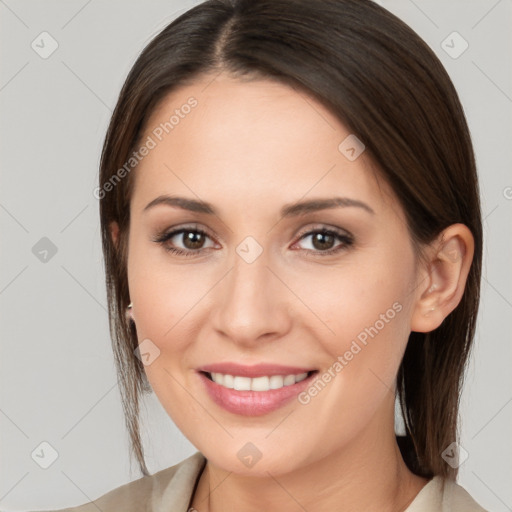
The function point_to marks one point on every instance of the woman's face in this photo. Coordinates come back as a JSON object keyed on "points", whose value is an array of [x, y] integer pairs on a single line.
{"points": [[259, 287]]}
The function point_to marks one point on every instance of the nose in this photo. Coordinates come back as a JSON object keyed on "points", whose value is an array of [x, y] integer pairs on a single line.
{"points": [[252, 304]]}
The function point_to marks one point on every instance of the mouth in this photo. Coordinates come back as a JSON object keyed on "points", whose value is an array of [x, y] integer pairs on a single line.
{"points": [[260, 384], [254, 396]]}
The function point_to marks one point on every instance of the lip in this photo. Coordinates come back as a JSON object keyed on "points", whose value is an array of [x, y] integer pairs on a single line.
{"points": [[254, 403], [257, 370]]}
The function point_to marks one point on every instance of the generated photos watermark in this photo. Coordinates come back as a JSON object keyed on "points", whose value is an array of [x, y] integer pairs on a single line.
{"points": [[356, 346], [151, 142]]}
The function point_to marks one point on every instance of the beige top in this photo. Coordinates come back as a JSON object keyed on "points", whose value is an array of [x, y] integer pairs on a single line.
{"points": [[171, 490]]}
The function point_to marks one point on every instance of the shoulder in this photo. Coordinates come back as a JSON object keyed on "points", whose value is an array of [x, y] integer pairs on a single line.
{"points": [[455, 497], [444, 495], [171, 487]]}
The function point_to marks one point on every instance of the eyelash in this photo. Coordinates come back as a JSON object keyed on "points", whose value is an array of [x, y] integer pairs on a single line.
{"points": [[347, 241]]}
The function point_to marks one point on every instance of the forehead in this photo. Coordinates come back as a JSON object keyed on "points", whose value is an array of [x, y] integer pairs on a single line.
{"points": [[241, 141]]}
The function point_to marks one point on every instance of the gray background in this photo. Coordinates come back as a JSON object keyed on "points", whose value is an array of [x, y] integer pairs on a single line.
{"points": [[58, 383]]}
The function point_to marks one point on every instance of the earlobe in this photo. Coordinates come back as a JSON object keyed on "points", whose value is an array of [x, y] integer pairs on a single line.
{"points": [[442, 286], [129, 312], [114, 231]]}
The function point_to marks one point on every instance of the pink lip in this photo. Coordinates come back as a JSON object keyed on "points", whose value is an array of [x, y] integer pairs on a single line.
{"points": [[257, 370], [254, 403]]}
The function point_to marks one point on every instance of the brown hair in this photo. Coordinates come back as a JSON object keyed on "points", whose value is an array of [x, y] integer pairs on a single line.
{"points": [[386, 85]]}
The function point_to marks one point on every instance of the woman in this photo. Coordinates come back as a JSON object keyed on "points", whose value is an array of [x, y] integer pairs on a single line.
{"points": [[292, 237]]}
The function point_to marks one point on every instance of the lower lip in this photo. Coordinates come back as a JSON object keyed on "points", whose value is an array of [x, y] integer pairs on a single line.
{"points": [[253, 403]]}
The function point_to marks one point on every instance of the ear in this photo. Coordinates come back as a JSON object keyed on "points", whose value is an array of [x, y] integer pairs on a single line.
{"points": [[114, 231], [442, 280]]}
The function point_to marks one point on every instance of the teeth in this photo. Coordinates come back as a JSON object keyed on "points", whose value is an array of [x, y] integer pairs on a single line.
{"points": [[258, 383]]}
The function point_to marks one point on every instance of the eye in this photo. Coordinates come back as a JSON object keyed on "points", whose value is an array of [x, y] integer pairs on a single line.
{"points": [[192, 238], [323, 240]]}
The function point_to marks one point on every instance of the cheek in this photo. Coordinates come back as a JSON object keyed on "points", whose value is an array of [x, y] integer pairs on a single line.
{"points": [[164, 312], [160, 303], [170, 309], [359, 303], [162, 295], [367, 312]]}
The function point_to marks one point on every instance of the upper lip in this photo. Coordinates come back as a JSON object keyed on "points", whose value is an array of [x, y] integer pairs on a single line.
{"points": [[257, 370]]}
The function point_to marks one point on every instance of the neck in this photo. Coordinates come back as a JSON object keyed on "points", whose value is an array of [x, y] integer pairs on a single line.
{"points": [[369, 474]]}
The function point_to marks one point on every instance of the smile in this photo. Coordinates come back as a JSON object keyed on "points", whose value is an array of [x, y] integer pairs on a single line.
{"points": [[263, 383], [254, 396]]}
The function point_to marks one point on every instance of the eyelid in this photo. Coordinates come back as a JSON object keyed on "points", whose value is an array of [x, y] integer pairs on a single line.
{"points": [[324, 227], [185, 227], [163, 236], [302, 232]]}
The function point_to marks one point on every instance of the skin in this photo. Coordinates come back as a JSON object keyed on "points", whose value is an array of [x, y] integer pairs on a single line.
{"points": [[249, 148]]}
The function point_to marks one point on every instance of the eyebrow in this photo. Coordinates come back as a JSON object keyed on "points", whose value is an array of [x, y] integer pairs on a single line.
{"points": [[288, 210]]}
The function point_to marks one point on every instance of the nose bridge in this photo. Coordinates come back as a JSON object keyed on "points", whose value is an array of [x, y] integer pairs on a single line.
{"points": [[251, 300]]}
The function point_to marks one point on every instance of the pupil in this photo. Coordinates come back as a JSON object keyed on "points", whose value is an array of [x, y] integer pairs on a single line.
{"points": [[193, 244], [322, 236]]}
